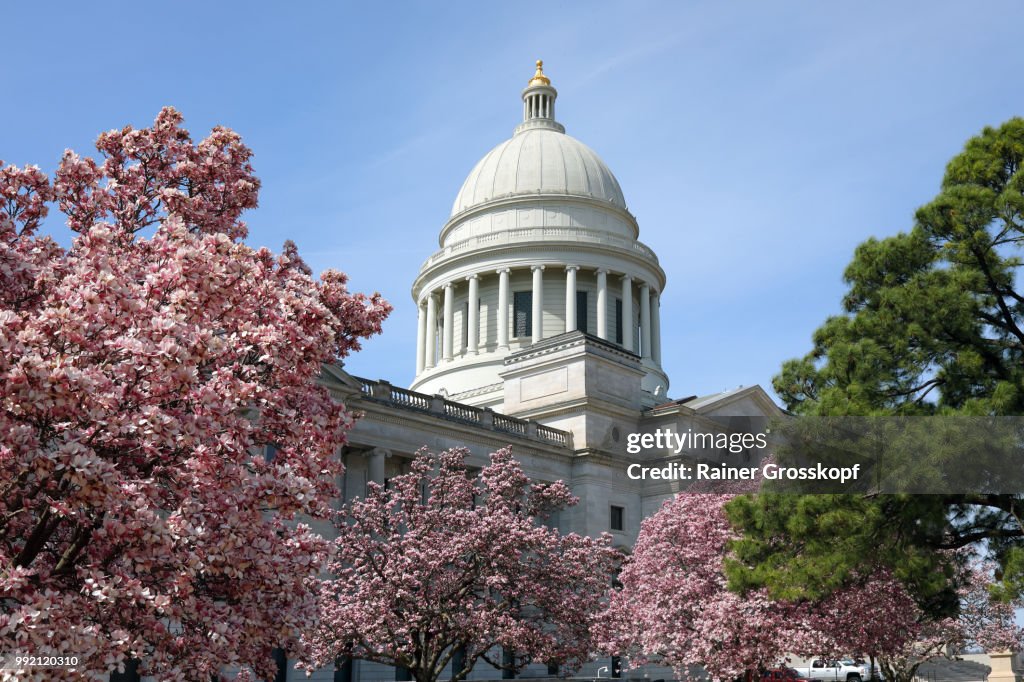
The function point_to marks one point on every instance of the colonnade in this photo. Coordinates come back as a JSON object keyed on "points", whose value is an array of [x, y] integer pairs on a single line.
{"points": [[538, 106], [444, 298]]}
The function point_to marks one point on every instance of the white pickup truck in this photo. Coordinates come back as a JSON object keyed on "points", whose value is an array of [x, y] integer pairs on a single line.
{"points": [[825, 670]]}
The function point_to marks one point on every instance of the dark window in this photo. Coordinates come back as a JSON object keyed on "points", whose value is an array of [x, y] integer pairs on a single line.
{"points": [[281, 660], [553, 669], [343, 669], [465, 325], [617, 520], [581, 311], [270, 453], [522, 313], [130, 674], [618, 321]]}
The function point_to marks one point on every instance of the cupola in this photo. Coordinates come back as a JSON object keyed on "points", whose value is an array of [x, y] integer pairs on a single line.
{"points": [[539, 103]]}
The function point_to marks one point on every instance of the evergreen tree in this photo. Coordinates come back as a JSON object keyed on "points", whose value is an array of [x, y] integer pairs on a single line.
{"points": [[932, 324]]}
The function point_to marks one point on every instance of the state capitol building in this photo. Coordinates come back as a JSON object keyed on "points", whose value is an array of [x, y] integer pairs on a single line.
{"points": [[538, 326]]}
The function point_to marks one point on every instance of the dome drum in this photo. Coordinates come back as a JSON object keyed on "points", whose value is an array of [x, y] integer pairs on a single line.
{"points": [[461, 351]]}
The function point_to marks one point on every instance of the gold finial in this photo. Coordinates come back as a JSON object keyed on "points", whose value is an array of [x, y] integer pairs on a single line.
{"points": [[539, 78]]}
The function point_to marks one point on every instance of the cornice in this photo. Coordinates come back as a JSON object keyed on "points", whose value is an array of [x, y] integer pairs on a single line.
{"points": [[560, 342], [539, 253], [434, 427], [512, 200]]}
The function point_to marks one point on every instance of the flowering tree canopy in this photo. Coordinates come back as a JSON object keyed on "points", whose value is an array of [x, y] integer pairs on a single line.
{"points": [[983, 621], [142, 372], [446, 566], [675, 606]]}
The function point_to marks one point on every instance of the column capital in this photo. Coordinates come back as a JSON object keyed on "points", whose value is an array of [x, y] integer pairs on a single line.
{"points": [[501, 270], [602, 271], [383, 452], [644, 285], [449, 285], [536, 267], [627, 277], [473, 276], [571, 267]]}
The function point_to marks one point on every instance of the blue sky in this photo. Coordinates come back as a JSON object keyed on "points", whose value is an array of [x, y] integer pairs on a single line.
{"points": [[757, 143]]}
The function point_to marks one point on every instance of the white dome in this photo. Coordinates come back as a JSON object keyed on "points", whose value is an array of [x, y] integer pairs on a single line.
{"points": [[539, 161]]}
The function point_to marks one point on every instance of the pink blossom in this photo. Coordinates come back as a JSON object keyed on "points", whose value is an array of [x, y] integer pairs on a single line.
{"points": [[674, 607], [444, 559], [142, 373]]}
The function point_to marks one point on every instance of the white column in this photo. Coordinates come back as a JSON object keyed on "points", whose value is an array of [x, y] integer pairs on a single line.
{"points": [[421, 336], [570, 297], [431, 349], [627, 312], [602, 304], [645, 320], [449, 321], [503, 308], [656, 328], [474, 314], [538, 297], [376, 465]]}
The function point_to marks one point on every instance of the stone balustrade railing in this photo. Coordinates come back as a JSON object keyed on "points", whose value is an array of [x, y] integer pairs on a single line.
{"points": [[384, 392], [540, 234]]}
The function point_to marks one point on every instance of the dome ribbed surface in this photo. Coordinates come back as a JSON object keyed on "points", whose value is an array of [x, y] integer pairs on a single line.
{"points": [[540, 161]]}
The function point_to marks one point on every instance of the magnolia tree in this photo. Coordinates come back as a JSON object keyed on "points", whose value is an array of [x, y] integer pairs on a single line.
{"points": [[675, 607], [142, 371], [445, 566], [983, 622]]}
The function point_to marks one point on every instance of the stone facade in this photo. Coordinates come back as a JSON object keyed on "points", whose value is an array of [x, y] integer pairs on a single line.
{"points": [[539, 327]]}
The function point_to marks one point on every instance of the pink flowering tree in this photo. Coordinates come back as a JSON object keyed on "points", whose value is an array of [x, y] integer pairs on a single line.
{"points": [[874, 616], [143, 372], [983, 622], [675, 608], [449, 566]]}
